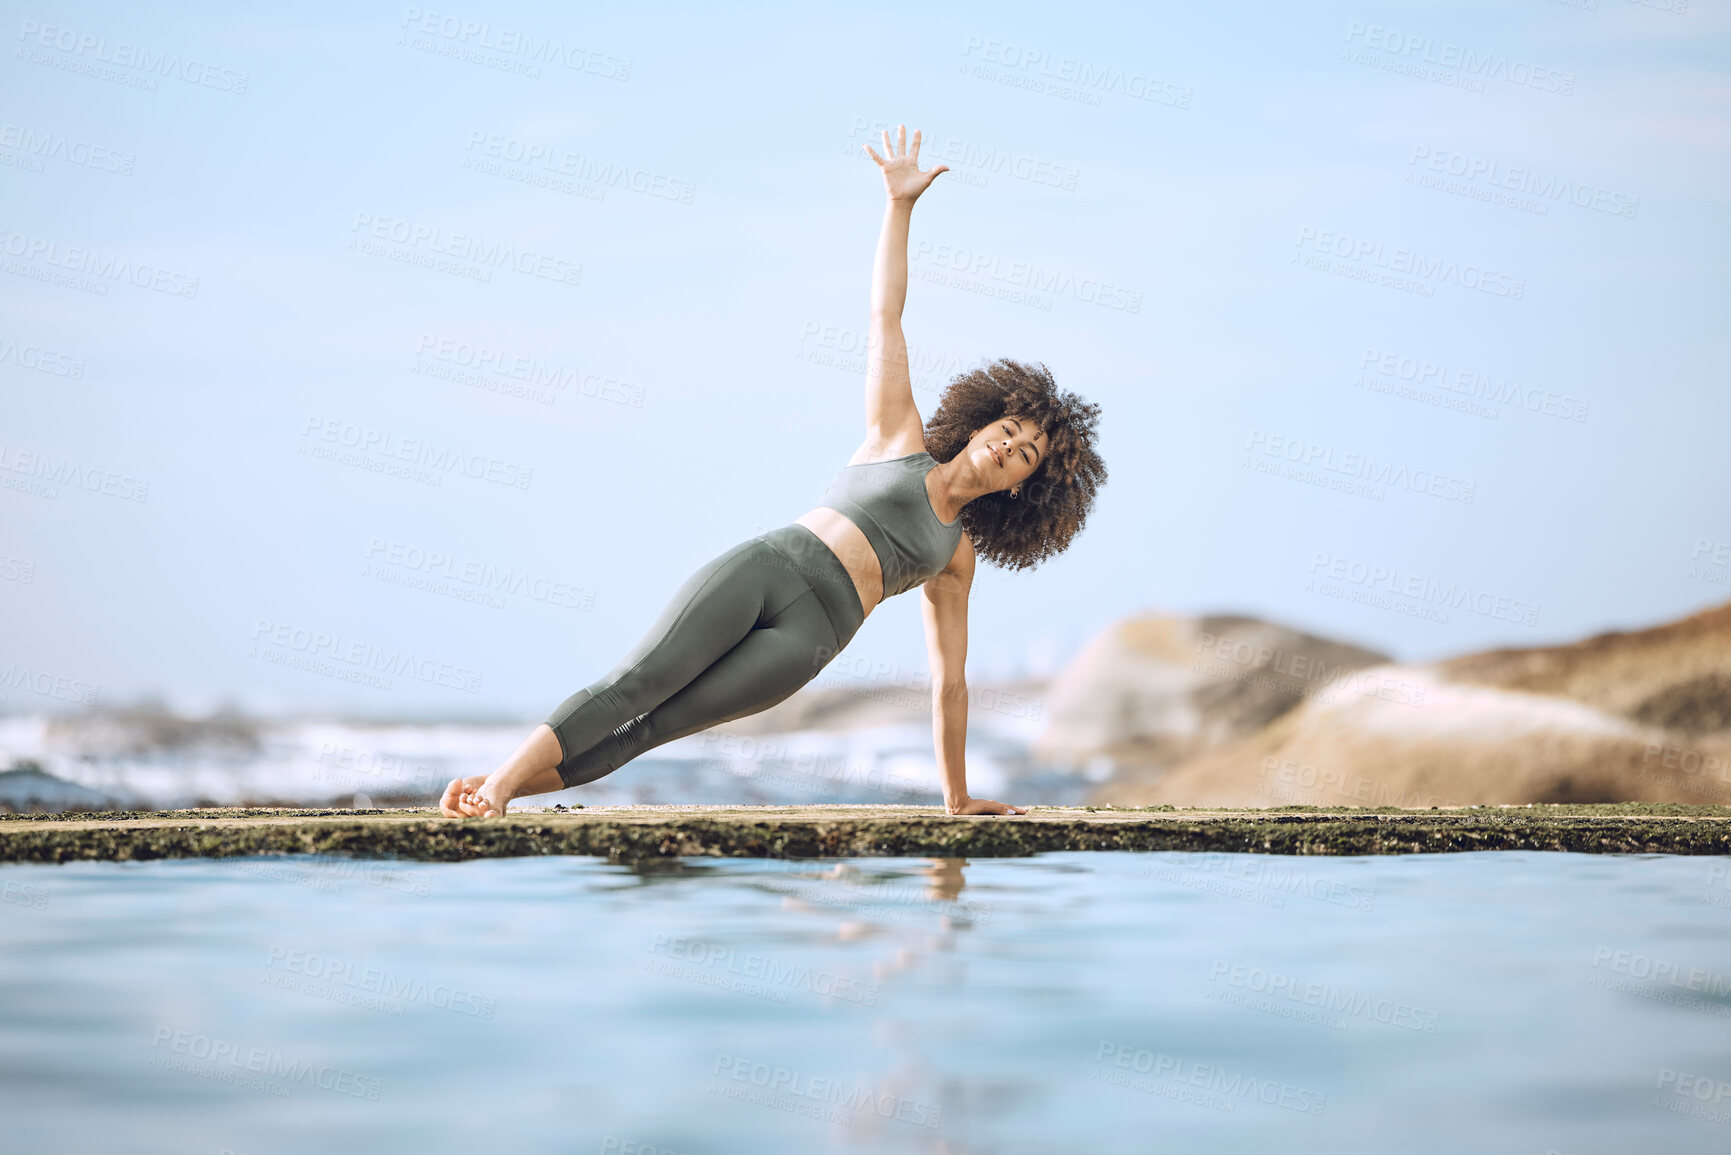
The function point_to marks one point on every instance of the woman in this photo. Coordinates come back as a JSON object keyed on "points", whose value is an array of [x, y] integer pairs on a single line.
{"points": [[1006, 469]]}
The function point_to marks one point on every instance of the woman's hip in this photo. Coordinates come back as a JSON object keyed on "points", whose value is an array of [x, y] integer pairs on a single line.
{"points": [[805, 554]]}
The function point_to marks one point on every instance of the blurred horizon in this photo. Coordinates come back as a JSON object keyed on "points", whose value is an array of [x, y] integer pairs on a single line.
{"points": [[452, 344]]}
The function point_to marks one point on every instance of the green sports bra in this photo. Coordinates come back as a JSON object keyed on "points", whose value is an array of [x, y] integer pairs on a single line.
{"points": [[888, 501]]}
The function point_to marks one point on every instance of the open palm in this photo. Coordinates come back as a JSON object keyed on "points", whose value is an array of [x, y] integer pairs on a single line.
{"points": [[900, 165]]}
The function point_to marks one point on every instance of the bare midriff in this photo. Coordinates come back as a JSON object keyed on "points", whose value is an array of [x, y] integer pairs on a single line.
{"points": [[849, 543]]}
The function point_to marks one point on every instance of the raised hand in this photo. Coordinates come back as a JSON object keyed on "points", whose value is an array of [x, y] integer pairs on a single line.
{"points": [[900, 165]]}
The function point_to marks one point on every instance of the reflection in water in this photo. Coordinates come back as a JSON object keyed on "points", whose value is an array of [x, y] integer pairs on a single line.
{"points": [[902, 916], [947, 878], [709, 1006], [906, 1088]]}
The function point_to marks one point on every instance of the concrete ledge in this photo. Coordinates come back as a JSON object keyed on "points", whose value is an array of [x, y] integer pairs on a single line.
{"points": [[631, 833]]}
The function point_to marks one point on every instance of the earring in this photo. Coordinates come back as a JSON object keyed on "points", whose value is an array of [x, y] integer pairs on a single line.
{"points": [[1016, 492]]}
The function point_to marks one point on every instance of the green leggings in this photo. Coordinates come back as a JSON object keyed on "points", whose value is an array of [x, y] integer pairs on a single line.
{"points": [[744, 632]]}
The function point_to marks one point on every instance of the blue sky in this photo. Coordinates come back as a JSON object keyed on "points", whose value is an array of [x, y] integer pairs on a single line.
{"points": [[454, 340]]}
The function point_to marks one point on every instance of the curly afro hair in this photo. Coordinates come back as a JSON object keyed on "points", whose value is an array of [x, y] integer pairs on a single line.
{"points": [[1021, 532]]}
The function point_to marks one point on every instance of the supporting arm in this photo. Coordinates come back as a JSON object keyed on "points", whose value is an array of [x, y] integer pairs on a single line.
{"points": [[944, 606]]}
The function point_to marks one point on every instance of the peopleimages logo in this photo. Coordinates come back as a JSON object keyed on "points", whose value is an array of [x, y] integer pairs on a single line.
{"points": [[557, 161], [414, 451], [276, 641], [1338, 1000], [1471, 63], [1027, 275], [1300, 674], [482, 580], [1421, 588], [40, 359], [1233, 1086], [1471, 383], [104, 267], [765, 970], [1521, 179], [537, 375], [462, 33], [813, 1096], [1089, 78], [1411, 262], [169, 1044], [53, 471], [86, 46], [432, 242], [1359, 466], [377, 980], [49, 145], [47, 684], [1662, 971]]}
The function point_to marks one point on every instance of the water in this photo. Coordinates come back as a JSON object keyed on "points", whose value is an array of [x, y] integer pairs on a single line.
{"points": [[1113, 1002], [100, 762]]}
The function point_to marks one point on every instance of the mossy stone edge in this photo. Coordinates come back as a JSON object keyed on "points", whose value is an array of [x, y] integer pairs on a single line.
{"points": [[810, 832]]}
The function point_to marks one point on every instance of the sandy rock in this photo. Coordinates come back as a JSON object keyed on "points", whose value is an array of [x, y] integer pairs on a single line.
{"points": [[1624, 716], [1155, 689]]}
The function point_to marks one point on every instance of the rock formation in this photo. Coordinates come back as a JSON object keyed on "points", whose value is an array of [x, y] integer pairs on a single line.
{"points": [[1639, 715], [1153, 690]]}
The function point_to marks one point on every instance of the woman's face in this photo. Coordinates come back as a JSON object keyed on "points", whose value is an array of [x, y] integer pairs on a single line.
{"points": [[1007, 450]]}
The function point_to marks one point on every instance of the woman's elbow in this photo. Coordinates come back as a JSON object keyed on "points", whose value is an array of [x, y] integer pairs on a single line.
{"points": [[950, 687]]}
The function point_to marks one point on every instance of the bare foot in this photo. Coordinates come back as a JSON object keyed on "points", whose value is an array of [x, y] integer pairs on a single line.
{"points": [[470, 798], [493, 795], [459, 798], [533, 769], [485, 795]]}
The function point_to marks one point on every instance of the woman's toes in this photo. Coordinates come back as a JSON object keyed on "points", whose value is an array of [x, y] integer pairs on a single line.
{"points": [[451, 801]]}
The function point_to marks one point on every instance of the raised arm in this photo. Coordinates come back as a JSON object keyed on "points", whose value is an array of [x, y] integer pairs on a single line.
{"points": [[893, 425], [944, 606]]}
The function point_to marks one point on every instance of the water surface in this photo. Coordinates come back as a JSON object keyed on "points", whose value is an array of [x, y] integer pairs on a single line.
{"points": [[1106, 1002]]}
